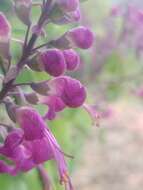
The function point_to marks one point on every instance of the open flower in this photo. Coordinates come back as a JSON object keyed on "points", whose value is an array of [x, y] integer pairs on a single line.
{"points": [[20, 146], [70, 90], [81, 36], [55, 104], [62, 92]]}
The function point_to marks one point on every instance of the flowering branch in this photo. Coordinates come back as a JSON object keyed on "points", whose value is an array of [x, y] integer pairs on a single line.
{"points": [[54, 58]]}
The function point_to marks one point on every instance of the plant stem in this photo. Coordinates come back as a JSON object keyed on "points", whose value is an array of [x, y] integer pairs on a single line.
{"points": [[22, 84], [44, 178], [26, 36], [27, 50]]}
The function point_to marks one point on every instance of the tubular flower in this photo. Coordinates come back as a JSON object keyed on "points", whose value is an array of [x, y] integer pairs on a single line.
{"points": [[5, 35], [53, 62], [20, 146], [63, 92]]}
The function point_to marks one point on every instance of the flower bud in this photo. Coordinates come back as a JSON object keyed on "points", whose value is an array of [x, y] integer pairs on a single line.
{"points": [[72, 59], [5, 35], [81, 37], [53, 62], [70, 90], [23, 10], [74, 93]]}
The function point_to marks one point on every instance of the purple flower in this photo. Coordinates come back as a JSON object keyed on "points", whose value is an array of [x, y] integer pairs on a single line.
{"points": [[72, 59], [70, 90], [53, 62], [20, 146], [23, 10]]}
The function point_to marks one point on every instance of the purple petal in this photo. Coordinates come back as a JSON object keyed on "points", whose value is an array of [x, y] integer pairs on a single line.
{"points": [[31, 122]]}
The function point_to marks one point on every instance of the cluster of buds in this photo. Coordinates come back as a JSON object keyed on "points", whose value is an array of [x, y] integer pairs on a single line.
{"points": [[60, 91]]}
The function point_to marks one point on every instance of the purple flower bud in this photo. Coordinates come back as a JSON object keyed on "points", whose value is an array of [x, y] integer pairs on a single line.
{"points": [[68, 5], [71, 91], [53, 62], [72, 59], [81, 37], [23, 10], [5, 35]]}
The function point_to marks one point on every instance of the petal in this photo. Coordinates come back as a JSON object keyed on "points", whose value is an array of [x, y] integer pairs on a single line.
{"points": [[55, 104], [11, 142], [31, 122], [5, 168], [44, 152]]}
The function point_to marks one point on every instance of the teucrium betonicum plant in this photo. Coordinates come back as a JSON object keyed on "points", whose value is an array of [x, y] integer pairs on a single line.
{"points": [[33, 143]]}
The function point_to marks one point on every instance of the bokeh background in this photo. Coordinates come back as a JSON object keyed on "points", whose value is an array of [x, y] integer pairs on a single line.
{"points": [[108, 157]]}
